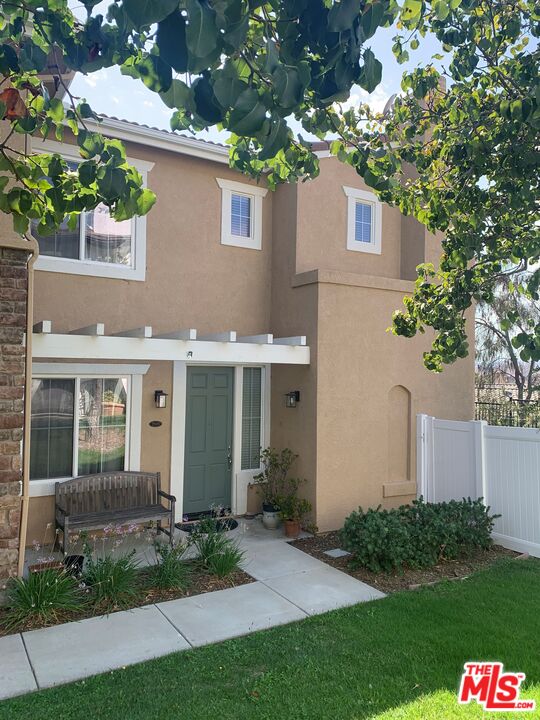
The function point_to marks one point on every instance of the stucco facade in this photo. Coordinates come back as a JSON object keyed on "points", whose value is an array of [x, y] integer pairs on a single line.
{"points": [[354, 427]]}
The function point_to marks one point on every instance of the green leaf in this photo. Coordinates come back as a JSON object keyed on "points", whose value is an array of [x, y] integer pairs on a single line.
{"points": [[227, 85], [411, 9], [201, 31], [32, 57], [171, 41], [248, 115], [288, 86], [112, 183], [146, 12], [205, 101], [371, 72], [272, 57], [56, 110], [145, 201], [342, 15], [371, 19], [20, 223], [275, 140], [441, 9], [179, 95]]}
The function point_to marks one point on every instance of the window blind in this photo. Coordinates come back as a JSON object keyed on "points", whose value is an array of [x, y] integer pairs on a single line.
{"points": [[251, 418]]}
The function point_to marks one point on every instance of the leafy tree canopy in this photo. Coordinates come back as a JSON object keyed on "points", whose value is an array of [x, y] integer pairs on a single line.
{"points": [[461, 156], [498, 325]]}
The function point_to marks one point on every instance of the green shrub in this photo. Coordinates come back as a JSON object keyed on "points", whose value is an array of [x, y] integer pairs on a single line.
{"points": [[170, 570], [417, 535], [41, 598], [218, 553], [226, 560], [112, 580]]}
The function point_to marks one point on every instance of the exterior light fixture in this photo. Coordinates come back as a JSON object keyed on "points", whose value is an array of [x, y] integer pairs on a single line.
{"points": [[292, 398], [160, 399]]}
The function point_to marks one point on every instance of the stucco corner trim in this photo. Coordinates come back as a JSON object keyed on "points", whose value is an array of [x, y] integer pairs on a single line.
{"points": [[337, 277], [397, 489]]}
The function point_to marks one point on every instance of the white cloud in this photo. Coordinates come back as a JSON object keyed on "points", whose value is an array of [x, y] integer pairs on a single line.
{"points": [[376, 100], [94, 78]]}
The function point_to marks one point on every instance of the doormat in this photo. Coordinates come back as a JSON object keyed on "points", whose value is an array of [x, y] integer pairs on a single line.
{"points": [[220, 524]]}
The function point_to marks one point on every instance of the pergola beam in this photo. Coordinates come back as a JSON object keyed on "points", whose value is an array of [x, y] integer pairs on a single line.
{"points": [[96, 330], [141, 332], [58, 346], [189, 334], [42, 327], [229, 336], [294, 340], [267, 339]]}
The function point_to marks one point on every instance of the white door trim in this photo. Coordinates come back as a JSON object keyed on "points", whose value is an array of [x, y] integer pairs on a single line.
{"points": [[239, 478], [178, 434]]}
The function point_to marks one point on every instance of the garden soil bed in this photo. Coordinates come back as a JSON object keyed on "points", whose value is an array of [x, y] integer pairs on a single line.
{"points": [[200, 581], [392, 582]]}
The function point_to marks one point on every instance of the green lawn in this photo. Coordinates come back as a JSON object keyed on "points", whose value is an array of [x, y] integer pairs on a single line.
{"points": [[396, 658]]}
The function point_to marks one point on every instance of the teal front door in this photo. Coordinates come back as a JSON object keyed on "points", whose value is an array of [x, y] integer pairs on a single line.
{"points": [[208, 449]]}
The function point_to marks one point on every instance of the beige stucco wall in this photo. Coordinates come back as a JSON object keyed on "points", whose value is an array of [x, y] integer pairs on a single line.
{"points": [[355, 427], [366, 378], [191, 280], [322, 226], [353, 430]]}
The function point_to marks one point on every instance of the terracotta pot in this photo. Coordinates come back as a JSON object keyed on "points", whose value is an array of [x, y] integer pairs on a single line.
{"points": [[292, 528]]}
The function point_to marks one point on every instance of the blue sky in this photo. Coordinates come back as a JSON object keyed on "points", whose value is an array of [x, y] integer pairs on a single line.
{"points": [[111, 93]]}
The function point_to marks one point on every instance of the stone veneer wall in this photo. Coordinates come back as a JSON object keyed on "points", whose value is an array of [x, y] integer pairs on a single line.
{"points": [[13, 304]]}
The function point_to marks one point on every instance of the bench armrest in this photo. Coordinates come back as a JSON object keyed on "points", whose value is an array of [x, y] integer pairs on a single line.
{"points": [[171, 498]]}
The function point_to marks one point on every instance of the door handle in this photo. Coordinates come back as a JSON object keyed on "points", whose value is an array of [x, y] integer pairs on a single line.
{"points": [[229, 456]]}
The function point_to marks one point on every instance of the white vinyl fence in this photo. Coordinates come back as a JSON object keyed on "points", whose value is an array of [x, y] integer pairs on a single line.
{"points": [[500, 464]]}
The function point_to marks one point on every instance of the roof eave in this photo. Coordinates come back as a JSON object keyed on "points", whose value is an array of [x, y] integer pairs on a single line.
{"points": [[160, 139]]}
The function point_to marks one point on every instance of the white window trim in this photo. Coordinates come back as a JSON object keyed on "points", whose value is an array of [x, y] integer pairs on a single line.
{"points": [[240, 478], [78, 372], [256, 195], [353, 196], [91, 267]]}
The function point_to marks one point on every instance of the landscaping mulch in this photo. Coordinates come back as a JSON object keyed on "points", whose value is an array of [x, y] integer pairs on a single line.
{"points": [[200, 581], [409, 578]]}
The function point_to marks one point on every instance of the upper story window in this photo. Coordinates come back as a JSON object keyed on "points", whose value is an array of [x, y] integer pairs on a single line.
{"points": [[98, 245], [241, 214], [364, 221]]}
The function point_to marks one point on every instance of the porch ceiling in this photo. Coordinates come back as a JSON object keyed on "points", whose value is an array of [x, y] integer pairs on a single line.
{"points": [[92, 343]]}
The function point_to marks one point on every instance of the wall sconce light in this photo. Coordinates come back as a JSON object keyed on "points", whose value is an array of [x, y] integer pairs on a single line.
{"points": [[292, 398], [160, 399]]}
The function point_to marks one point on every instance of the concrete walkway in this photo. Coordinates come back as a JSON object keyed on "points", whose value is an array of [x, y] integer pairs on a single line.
{"points": [[290, 585]]}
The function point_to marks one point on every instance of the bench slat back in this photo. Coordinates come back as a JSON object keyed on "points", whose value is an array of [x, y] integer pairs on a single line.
{"points": [[117, 490]]}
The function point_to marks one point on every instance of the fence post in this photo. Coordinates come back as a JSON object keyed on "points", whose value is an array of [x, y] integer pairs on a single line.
{"points": [[479, 429], [424, 468]]}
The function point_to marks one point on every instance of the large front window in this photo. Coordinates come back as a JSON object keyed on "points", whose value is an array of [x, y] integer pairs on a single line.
{"points": [[78, 426], [96, 245], [97, 237]]}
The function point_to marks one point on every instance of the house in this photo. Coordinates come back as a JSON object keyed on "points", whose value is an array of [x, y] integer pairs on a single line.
{"points": [[228, 319]]}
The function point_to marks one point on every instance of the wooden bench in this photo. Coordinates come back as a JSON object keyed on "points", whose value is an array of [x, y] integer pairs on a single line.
{"points": [[120, 497]]}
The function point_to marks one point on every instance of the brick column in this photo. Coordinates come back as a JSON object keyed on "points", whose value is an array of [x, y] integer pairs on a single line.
{"points": [[13, 304]]}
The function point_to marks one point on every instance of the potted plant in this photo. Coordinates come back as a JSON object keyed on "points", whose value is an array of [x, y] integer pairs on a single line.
{"points": [[271, 482], [293, 508]]}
